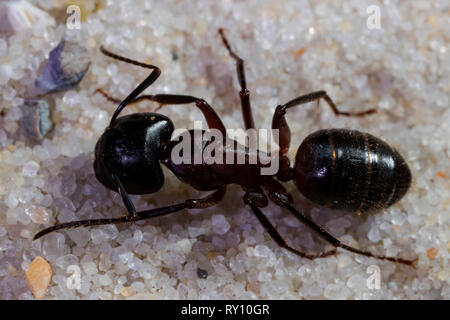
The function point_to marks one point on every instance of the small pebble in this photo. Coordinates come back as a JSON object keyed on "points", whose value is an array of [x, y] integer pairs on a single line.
{"points": [[220, 224], [36, 119], [104, 280], [202, 274], [38, 214], [336, 292], [432, 253], [5, 73], [262, 251], [127, 291], [38, 274], [18, 16], [30, 169], [11, 201]]}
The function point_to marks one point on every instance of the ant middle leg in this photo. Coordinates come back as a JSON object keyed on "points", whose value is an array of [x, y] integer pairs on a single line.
{"points": [[201, 203], [244, 94]]}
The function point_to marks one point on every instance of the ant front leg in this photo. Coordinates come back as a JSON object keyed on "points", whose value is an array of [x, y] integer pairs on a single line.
{"points": [[123, 193], [201, 203], [244, 94], [279, 123], [156, 72]]}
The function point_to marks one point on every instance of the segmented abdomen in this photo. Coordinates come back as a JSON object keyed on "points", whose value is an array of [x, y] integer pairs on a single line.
{"points": [[350, 170]]}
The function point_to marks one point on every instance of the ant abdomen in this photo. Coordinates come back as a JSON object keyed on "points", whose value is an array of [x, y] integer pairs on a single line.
{"points": [[350, 170]]}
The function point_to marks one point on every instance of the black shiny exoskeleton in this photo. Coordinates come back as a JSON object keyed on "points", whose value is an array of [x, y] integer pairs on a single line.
{"points": [[350, 170], [337, 168], [131, 150]]}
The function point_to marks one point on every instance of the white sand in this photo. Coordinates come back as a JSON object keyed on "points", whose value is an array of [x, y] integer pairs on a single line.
{"points": [[401, 69]]}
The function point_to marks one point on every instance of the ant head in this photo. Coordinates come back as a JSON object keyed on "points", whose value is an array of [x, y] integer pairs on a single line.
{"points": [[131, 149]]}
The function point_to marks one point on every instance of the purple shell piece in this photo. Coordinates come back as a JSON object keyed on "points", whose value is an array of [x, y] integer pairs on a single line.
{"points": [[64, 69]]}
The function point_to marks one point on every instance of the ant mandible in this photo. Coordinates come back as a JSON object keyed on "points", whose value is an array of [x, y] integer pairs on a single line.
{"points": [[337, 168]]}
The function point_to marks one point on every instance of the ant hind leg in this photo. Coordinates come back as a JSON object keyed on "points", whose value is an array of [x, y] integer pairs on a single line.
{"points": [[255, 200], [282, 200]]}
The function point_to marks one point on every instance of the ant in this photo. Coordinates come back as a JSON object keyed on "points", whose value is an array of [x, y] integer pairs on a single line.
{"points": [[336, 168]]}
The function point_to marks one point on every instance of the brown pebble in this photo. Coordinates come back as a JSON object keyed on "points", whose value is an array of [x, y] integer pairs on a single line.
{"points": [[38, 274], [127, 291], [298, 53], [431, 253], [12, 270], [441, 174]]}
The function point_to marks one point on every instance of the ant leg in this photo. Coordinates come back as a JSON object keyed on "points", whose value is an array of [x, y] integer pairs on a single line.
{"points": [[279, 123], [313, 96], [117, 100], [212, 118], [141, 87], [201, 203], [282, 200], [254, 200], [244, 94], [210, 115], [108, 97], [123, 193]]}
